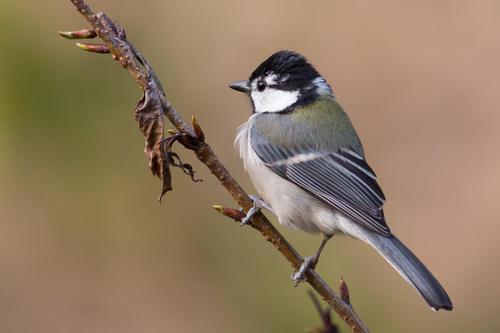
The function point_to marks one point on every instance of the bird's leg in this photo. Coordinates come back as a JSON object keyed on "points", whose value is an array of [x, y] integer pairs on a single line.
{"points": [[309, 262], [258, 204]]}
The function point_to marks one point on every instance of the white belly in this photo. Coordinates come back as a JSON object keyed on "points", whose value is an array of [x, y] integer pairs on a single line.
{"points": [[293, 206]]}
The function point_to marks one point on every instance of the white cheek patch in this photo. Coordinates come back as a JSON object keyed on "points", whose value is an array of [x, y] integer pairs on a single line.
{"points": [[273, 100]]}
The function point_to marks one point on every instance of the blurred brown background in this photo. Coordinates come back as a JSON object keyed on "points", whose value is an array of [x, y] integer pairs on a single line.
{"points": [[85, 247]]}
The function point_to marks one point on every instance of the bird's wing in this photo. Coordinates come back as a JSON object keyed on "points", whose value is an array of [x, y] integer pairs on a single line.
{"points": [[341, 178]]}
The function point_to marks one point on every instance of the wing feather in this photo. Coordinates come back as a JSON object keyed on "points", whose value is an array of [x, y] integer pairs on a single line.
{"points": [[342, 179]]}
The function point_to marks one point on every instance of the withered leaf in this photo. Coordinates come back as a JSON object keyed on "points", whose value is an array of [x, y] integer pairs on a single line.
{"points": [[149, 114], [158, 149]]}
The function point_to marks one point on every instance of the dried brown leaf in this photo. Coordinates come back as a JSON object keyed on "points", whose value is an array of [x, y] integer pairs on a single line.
{"points": [[149, 115]]}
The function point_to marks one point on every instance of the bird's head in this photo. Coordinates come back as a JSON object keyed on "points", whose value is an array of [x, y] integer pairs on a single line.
{"points": [[282, 82]]}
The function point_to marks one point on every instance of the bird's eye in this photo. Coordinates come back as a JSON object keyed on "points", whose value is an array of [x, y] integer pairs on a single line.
{"points": [[261, 85]]}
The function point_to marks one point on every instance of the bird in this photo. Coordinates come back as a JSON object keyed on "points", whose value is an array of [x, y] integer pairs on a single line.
{"points": [[308, 166]]}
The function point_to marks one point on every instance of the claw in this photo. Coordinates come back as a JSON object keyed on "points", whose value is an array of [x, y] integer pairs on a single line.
{"points": [[309, 263], [258, 204], [254, 210]]}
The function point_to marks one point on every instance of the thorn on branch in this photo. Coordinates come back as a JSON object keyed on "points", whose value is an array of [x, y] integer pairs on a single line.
{"points": [[325, 315], [80, 34], [93, 48]]}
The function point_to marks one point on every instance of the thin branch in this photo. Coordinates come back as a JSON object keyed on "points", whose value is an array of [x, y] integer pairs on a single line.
{"points": [[150, 112], [326, 319]]}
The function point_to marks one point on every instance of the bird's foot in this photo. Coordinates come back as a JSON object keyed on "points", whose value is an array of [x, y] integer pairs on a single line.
{"points": [[309, 263], [258, 204]]}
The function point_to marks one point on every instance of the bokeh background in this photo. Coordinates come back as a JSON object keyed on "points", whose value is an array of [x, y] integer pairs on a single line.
{"points": [[85, 246]]}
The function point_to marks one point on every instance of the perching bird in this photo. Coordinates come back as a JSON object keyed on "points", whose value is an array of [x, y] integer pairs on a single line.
{"points": [[308, 165]]}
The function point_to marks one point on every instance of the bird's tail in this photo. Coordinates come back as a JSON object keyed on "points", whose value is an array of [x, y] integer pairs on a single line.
{"points": [[412, 269]]}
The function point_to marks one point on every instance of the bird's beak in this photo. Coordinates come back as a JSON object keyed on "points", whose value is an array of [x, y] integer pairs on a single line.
{"points": [[243, 86]]}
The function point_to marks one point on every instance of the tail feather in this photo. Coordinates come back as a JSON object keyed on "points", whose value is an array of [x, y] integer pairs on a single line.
{"points": [[412, 269]]}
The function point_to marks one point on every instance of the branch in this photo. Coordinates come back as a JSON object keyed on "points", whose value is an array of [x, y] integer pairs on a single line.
{"points": [[326, 319], [150, 112]]}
